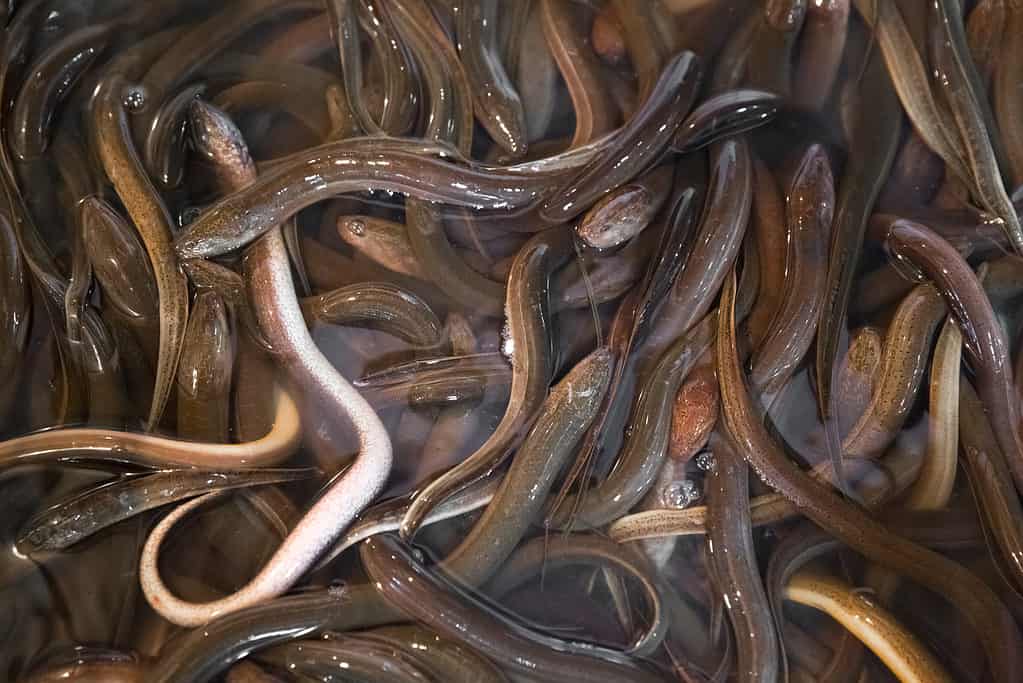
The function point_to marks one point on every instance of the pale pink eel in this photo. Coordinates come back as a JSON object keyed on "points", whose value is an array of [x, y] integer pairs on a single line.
{"points": [[268, 277]]}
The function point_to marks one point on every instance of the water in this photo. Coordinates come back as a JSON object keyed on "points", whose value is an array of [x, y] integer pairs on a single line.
{"points": [[274, 69]]}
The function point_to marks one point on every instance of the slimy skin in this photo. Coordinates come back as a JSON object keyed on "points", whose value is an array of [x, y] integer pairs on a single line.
{"points": [[280, 318]]}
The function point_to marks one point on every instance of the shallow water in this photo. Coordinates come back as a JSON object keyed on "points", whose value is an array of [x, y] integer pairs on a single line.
{"points": [[816, 153]]}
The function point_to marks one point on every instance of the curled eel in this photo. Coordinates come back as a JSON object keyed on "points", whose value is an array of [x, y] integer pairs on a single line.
{"points": [[983, 336], [810, 202], [645, 46], [877, 132], [977, 130], [53, 76], [496, 102], [1008, 100], [985, 27], [528, 314], [638, 145], [268, 275], [594, 112], [978, 604], [201, 654], [364, 659], [733, 565], [423, 595], [991, 483], [879, 484], [541, 555], [204, 372], [566, 414], [85, 513], [646, 446], [124, 168], [147, 450], [719, 235], [324, 171], [907, 347], [444, 659], [903, 653], [770, 233], [823, 44]]}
